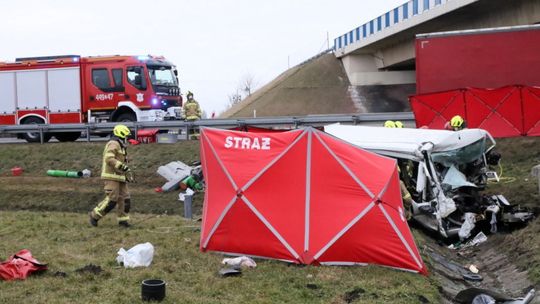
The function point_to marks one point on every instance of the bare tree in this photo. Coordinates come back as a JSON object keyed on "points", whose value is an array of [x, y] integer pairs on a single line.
{"points": [[245, 88], [234, 98], [247, 84]]}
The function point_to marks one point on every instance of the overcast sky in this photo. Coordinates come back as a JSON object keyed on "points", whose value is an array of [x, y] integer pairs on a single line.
{"points": [[213, 43]]}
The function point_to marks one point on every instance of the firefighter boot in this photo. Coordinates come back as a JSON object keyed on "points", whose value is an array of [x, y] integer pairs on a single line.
{"points": [[124, 224], [93, 221]]}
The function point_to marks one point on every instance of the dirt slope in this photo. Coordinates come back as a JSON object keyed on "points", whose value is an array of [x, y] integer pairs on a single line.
{"points": [[319, 86]]}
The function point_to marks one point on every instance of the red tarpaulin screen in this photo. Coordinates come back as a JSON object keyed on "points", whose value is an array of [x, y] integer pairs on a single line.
{"points": [[504, 112], [303, 196]]}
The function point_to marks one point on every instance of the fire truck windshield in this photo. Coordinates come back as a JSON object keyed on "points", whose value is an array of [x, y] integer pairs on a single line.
{"points": [[162, 75]]}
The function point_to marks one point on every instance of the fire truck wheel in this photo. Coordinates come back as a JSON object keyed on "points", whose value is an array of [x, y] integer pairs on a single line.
{"points": [[34, 137], [126, 117], [69, 136]]}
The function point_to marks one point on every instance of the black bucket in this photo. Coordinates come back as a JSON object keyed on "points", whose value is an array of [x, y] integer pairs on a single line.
{"points": [[153, 290]]}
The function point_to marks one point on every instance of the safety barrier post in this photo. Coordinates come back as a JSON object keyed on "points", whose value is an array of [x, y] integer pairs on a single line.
{"points": [[188, 200]]}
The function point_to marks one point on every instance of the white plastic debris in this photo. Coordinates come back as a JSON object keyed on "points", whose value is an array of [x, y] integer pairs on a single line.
{"points": [[473, 269], [140, 255], [240, 261], [445, 205], [478, 239], [182, 195], [468, 226], [86, 173]]}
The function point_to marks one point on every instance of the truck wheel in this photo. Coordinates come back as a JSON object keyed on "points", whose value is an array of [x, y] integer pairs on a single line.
{"points": [[126, 117], [69, 136], [34, 137]]}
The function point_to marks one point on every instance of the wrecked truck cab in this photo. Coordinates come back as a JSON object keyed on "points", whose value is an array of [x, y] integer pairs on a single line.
{"points": [[446, 173]]}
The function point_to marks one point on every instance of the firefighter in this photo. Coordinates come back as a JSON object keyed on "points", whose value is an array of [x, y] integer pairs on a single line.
{"points": [[407, 199], [389, 124], [457, 123], [115, 173], [191, 109], [393, 124]]}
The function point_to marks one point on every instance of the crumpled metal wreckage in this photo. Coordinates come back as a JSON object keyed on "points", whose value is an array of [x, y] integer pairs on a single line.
{"points": [[445, 172]]}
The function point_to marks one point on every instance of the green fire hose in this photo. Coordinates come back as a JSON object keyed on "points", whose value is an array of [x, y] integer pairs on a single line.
{"points": [[62, 173]]}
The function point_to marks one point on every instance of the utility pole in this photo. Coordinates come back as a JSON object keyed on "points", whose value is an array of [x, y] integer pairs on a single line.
{"points": [[327, 40]]}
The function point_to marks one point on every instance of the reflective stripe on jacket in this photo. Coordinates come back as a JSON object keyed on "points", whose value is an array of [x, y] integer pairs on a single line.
{"points": [[113, 155], [192, 111]]}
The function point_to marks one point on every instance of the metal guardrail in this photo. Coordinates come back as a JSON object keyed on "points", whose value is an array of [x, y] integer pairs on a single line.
{"points": [[285, 121]]}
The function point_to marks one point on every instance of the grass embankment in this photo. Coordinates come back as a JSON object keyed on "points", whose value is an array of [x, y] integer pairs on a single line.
{"points": [[519, 155], [65, 241], [34, 190]]}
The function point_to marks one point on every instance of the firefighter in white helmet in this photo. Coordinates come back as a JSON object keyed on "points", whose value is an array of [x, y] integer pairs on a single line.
{"points": [[115, 173]]}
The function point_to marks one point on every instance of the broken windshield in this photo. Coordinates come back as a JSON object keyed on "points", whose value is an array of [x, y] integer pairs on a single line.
{"points": [[461, 156], [162, 75]]}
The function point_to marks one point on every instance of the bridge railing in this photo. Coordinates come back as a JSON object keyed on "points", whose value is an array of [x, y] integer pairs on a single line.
{"points": [[404, 12]]}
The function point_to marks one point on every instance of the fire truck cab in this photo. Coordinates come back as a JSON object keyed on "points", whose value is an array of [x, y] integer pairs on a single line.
{"points": [[75, 89]]}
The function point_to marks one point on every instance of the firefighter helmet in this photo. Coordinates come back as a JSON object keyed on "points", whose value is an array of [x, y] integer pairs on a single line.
{"points": [[398, 124], [457, 122], [121, 131], [389, 124], [189, 93]]}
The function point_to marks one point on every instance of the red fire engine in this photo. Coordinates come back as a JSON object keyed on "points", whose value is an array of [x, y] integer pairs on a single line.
{"points": [[75, 89]]}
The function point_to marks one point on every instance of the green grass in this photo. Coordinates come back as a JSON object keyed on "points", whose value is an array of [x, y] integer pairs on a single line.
{"points": [[36, 191], [48, 216], [66, 243], [519, 155]]}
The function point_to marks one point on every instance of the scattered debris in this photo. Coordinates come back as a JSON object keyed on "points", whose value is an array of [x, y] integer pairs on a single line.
{"points": [[472, 277], [90, 268], [86, 173], [353, 295], [483, 299], [60, 274], [181, 176], [20, 265], [153, 290], [239, 262], [484, 296], [228, 272], [16, 171], [478, 239], [473, 269], [182, 195], [312, 286], [137, 256]]}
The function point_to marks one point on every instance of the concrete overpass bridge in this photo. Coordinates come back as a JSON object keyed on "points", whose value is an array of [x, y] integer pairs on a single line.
{"points": [[381, 54]]}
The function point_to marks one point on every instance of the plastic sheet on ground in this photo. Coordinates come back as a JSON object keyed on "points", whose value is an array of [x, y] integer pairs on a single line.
{"points": [[240, 261], [140, 255]]}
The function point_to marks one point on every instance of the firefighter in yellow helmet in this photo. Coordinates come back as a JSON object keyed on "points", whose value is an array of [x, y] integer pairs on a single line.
{"points": [[389, 124], [393, 124], [115, 173], [191, 109], [457, 123]]}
